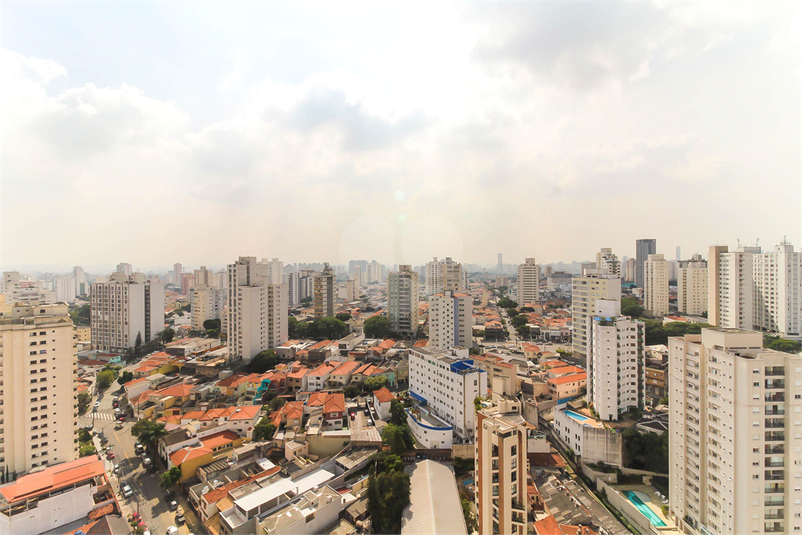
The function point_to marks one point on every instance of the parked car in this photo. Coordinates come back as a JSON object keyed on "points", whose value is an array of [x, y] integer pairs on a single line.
{"points": [[127, 490], [121, 418], [173, 505], [97, 404], [109, 454], [179, 519], [147, 463], [118, 425], [117, 468], [172, 530]]}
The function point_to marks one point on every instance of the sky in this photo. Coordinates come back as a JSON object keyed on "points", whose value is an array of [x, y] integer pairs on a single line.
{"points": [[155, 133]]}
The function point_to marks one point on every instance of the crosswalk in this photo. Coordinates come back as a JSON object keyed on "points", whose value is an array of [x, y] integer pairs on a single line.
{"points": [[98, 416]]}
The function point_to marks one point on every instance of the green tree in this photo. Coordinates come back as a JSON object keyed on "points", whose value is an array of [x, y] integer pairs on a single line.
{"points": [[170, 477], [306, 300], [398, 416], [519, 320], [388, 495], [523, 330], [148, 433], [125, 377], [630, 307], [138, 344], [105, 378], [81, 315], [264, 430], [398, 437], [388, 462], [470, 518], [506, 302], [782, 344], [375, 383], [351, 391], [331, 328], [84, 436], [343, 316], [87, 450], [263, 361], [167, 335], [526, 309], [275, 404], [377, 327], [84, 399]]}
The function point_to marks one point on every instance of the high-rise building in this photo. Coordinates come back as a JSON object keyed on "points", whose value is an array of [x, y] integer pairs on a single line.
{"points": [[643, 248], [403, 300], [500, 267], [616, 365], [500, 462], [351, 294], [257, 310], [65, 289], [275, 269], [655, 285], [207, 304], [692, 286], [450, 320], [628, 272], [734, 435], [178, 271], [81, 288], [124, 308], [203, 277], [125, 268], [444, 275], [292, 280], [187, 282], [356, 274], [38, 366], [434, 281], [324, 298], [528, 282], [608, 263], [585, 291]]}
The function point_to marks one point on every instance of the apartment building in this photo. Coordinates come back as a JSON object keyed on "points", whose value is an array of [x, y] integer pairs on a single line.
{"points": [[450, 320], [38, 405], [655, 289], [124, 308], [444, 275], [528, 282], [608, 263], [585, 291], [616, 363], [125, 268], [81, 288], [323, 296], [447, 382], [17, 290], [257, 309], [500, 461], [643, 248], [692, 279], [207, 303], [351, 291], [403, 300], [735, 448], [65, 289]]}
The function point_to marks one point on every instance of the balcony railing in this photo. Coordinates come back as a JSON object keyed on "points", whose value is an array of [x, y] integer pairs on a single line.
{"points": [[774, 489], [779, 448], [775, 383], [774, 501], [777, 396], [775, 436], [774, 463]]}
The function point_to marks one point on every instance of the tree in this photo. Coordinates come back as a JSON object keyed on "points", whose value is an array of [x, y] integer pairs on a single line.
{"points": [[212, 328], [105, 378], [167, 335], [343, 316], [375, 383], [377, 327], [646, 451], [87, 450], [526, 309], [170, 477], [388, 495], [264, 430], [276, 403], [781, 344], [81, 315], [470, 518], [263, 361], [398, 437], [523, 330], [331, 328], [138, 344], [351, 391], [506, 302], [84, 436], [519, 320], [125, 377], [475, 350], [306, 300], [148, 432], [631, 307], [398, 416], [84, 399]]}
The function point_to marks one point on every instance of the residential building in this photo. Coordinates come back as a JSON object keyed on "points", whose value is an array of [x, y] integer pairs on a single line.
{"points": [[628, 271], [305, 514], [275, 270], [588, 437], [207, 303], [643, 248], [608, 263], [450, 320], [125, 308], [585, 291], [351, 290], [734, 444], [323, 297], [655, 289], [382, 400], [81, 287], [202, 277], [501, 471], [528, 282], [16, 290], [616, 366], [434, 503], [447, 382], [65, 289], [125, 268], [403, 300], [257, 309], [178, 272], [38, 368], [692, 279], [778, 291], [444, 275]]}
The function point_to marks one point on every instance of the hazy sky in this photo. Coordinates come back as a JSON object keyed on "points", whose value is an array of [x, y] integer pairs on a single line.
{"points": [[191, 132]]}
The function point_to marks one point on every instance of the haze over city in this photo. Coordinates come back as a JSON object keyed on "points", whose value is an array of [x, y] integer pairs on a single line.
{"points": [[152, 133]]}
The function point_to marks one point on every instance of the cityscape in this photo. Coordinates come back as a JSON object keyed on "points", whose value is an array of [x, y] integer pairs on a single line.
{"points": [[468, 269]]}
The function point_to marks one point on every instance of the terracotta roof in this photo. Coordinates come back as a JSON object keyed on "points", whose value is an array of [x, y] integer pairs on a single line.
{"points": [[187, 454], [562, 370], [421, 343], [289, 343], [53, 478], [320, 345], [213, 414], [101, 511], [334, 403], [383, 395], [548, 526], [229, 381], [321, 370], [218, 439], [84, 529], [213, 496], [245, 412], [91, 362], [317, 399], [180, 390], [299, 373], [346, 368], [568, 378], [553, 363], [192, 415], [545, 460]]}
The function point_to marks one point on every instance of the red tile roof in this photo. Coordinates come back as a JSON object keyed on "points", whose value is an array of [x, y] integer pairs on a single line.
{"points": [[568, 378], [321, 370], [53, 478], [334, 403], [383, 395], [421, 343], [245, 412]]}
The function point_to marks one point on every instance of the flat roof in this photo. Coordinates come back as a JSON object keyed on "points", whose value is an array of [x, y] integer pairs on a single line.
{"points": [[299, 486], [53, 478]]}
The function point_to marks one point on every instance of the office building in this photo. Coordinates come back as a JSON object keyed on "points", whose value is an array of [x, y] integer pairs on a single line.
{"points": [[655, 288], [403, 300], [125, 268], [207, 304], [528, 282], [81, 287], [257, 310], [450, 320], [125, 308], [585, 291], [608, 263], [616, 362], [735, 456], [643, 248], [692, 279], [178, 272], [324, 298], [38, 405], [500, 463]]}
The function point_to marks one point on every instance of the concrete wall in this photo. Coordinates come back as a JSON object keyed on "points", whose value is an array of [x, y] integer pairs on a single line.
{"points": [[593, 475], [50, 513], [602, 445], [466, 451], [627, 509]]}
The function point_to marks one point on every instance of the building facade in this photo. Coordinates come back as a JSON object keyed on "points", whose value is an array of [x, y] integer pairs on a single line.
{"points": [[585, 291], [735, 459], [692, 279], [324, 297], [38, 368], [528, 282], [608, 263], [207, 304], [450, 320], [655, 289], [643, 248], [403, 300]]}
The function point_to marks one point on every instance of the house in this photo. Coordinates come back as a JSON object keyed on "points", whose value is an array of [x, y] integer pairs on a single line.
{"points": [[290, 415], [332, 406], [382, 399], [567, 387], [297, 380], [341, 375], [244, 419], [321, 351], [316, 379], [212, 448]]}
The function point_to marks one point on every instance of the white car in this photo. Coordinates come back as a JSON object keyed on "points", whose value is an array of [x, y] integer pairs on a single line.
{"points": [[97, 404], [127, 490], [172, 530]]}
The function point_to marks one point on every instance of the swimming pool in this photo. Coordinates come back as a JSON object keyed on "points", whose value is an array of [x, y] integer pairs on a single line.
{"points": [[576, 416], [644, 509], [468, 482]]}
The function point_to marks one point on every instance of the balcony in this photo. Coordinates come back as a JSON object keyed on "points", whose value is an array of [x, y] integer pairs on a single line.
{"points": [[774, 475], [775, 384], [779, 448], [774, 516], [775, 371], [774, 463], [775, 423], [775, 436], [775, 397], [774, 527], [775, 410], [774, 489]]}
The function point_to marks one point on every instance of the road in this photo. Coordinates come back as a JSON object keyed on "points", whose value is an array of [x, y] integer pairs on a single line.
{"points": [[148, 498]]}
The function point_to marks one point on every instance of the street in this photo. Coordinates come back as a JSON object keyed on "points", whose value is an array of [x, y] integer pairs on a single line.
{"points": [[148, 498]]}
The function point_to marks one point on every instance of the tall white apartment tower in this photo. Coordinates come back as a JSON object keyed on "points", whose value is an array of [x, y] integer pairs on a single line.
{"points": [[203, 277], [125, 268], [735, 446], [434, 281], [655, 281], [38, 368], [65, 289], [585, 291], [123, 308], [403, 300], [207, 304], [608, 263], [616, 366], [778, 291], [528, 282], [351, 291], [323, 293], [81, 288], [275, 269], [731, 296], [257, 310], [692, 279], [444, 275], [450, 320], [178, 273], [500, 461]]}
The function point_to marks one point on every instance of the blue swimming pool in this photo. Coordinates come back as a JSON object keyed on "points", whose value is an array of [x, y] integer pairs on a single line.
{"points": [[644, 509], [468, 482], [576, 416]]}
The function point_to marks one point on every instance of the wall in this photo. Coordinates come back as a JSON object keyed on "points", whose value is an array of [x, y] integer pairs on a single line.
{"points": [[327, 444], [51, 513], [625, 507], [466, 451], [602, 445], [593, 475]]}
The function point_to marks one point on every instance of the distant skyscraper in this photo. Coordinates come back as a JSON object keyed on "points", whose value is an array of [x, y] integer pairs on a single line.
{"points": [[692, 279], [65, 289], [444, 275], [178, 271], [608, 263], [124, 308], [402, 300], [679, 251], [207, 304], [450, 320], [80, 280], [528, 282], [124, 267], [655, 285], [643, 248], [323, 296], [500, 264]]}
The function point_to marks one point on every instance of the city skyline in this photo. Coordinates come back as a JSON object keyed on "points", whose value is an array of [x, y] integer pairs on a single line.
{"points": [[205, 132]]}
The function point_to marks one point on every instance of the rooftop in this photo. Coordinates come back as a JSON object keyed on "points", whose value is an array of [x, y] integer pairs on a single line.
{"points": [[53, 478], [434, 503]]}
